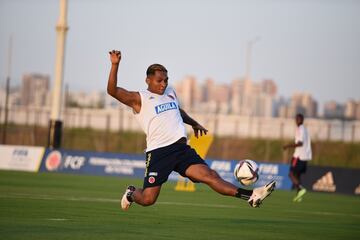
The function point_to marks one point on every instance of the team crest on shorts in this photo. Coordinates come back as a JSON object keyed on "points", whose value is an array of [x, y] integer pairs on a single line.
{"points": [[151, 180]]}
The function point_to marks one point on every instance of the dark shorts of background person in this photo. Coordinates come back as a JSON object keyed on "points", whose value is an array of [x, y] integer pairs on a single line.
{"points": [[162, 161], [298, 166]]}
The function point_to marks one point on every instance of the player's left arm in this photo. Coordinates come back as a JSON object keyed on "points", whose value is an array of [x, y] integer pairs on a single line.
{"points": [[195, 125]]}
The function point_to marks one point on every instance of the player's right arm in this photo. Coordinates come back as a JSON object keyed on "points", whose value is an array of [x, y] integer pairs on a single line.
{"points": [[298, 140], [292, 145], [129, 98]]}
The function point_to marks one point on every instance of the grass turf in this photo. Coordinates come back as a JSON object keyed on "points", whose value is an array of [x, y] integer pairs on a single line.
{"points": [[64, 206]]}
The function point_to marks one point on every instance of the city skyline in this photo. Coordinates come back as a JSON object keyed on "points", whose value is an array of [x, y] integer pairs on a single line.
{"points": [[304, 46], [242, 97]]}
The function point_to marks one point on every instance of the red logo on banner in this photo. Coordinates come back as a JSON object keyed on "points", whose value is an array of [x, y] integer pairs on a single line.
{"points": [[53, 161]]}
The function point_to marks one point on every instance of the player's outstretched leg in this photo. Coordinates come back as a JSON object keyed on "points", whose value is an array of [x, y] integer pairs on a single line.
{"points": [[202, 173], [126, 199], [260, 193]]}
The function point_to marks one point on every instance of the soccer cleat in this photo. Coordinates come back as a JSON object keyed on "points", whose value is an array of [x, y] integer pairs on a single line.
{"points": [[260, 193], [126, 198], [299, 195]]}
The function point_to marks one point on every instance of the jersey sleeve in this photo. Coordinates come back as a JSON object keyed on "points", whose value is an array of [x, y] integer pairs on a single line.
{"points": [[171, 91]]}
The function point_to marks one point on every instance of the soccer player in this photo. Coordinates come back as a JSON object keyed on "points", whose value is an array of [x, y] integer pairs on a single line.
{"points": [[301, 156], [160, 116]]}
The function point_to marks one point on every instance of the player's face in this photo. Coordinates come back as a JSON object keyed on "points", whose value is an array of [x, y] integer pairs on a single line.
{"points": [[298, 121], [158, 82]]}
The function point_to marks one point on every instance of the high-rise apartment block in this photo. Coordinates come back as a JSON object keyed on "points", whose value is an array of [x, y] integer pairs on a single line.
{"points": [[334, 110], [190, 93], [242, 97], [352, 110], [35, 90], [252, 99], [299, 103]]}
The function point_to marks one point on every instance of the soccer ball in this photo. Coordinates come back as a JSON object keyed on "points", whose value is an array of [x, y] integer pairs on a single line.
{"points": [[246, 172]]}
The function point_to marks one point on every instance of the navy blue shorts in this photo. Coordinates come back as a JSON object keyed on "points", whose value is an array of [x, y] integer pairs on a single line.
{"points": [[161, 162], [298, 166]]}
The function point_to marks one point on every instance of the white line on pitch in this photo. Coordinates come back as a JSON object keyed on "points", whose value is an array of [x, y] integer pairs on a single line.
{"points": [[108, 200], [57, 219]]}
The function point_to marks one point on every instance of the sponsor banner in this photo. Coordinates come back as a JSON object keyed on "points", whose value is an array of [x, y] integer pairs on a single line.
{"points": [[20, 158], [329, 179], [27, 158], [274, 171], [94, 163], [132, 165]]}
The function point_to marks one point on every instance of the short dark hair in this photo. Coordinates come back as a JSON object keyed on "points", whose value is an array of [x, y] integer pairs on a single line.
{"points": [[299, 115], [155, 67]]}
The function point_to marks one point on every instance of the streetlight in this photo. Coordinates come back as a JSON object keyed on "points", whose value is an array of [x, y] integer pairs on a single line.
{"points": [[248, 56], [7, 93]]}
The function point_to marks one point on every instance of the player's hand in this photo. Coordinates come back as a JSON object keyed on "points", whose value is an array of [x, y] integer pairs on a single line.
{"points": [[199, 129], [115, 56]]}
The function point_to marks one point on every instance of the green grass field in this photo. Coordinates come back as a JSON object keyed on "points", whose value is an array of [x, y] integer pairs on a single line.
{"points": [[63, 206]]}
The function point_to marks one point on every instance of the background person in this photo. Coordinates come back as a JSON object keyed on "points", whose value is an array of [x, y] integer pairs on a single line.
{"points": [[302, 154]]}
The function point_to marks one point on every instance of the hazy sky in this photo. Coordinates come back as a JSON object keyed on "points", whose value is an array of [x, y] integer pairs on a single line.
{"points": [[304, 45]]}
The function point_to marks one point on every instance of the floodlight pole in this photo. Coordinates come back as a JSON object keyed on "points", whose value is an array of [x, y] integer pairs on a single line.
{"points": [[7, 93], [55, 124]]}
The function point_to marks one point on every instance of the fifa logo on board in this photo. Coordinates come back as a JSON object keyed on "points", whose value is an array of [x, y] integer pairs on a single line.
{"points": [[221, 165], [271, 169]]}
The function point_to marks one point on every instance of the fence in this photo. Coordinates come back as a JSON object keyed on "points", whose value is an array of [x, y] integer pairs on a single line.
{"points": [[117, 119]]}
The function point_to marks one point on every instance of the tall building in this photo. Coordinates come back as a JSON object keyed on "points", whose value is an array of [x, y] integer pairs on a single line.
{"points": [[290, 110], [189, 93], [334, 110], [269, 87], [253, 99], [235, 96], [352, 110], [215, 98], [299, 103], [241, 91], [305, 104], [242, 97], [35, 90], [279, 106]]}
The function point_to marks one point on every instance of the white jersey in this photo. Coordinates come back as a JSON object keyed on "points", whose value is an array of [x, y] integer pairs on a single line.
{"points": [[160, 119], [303, 152]]}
